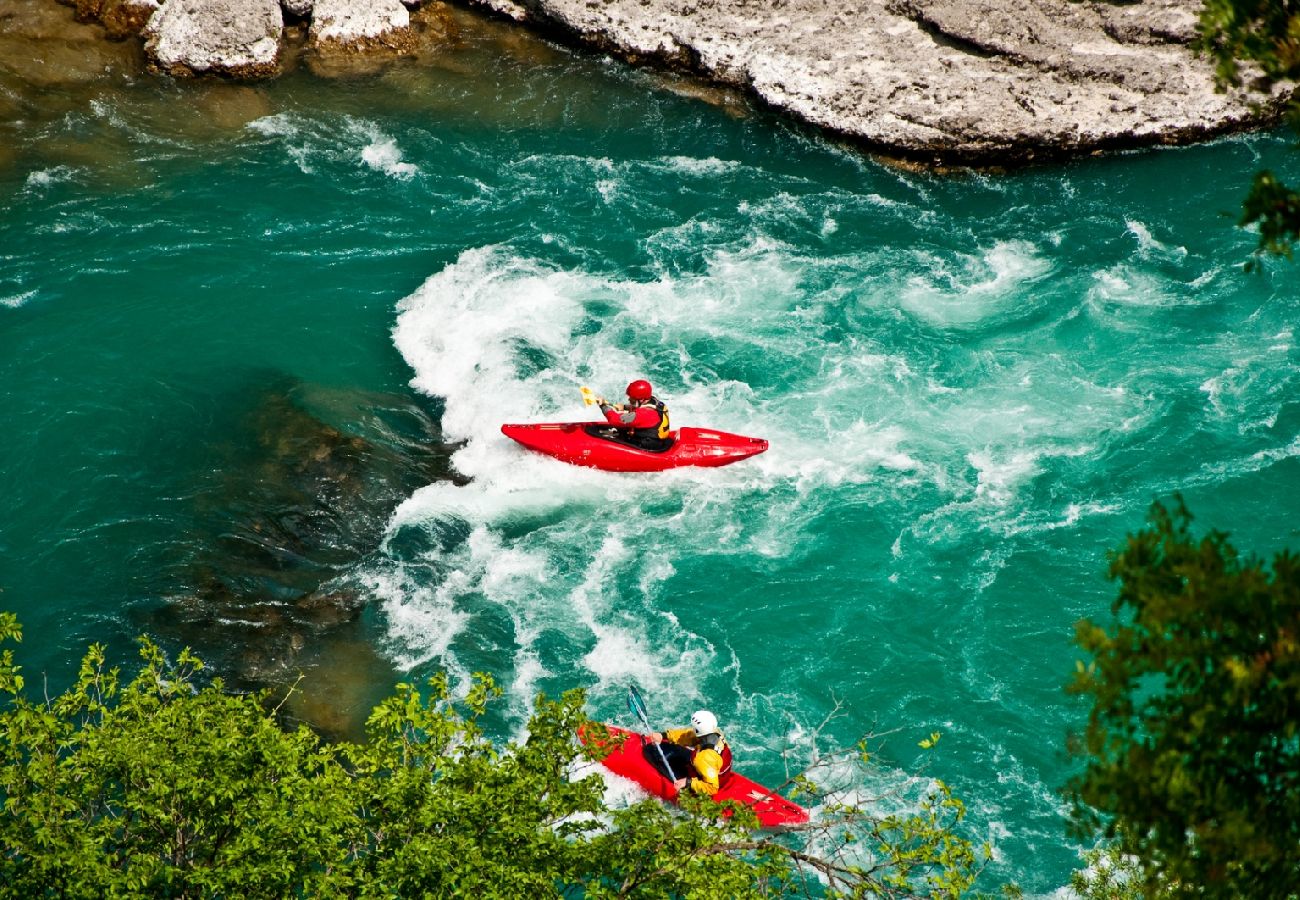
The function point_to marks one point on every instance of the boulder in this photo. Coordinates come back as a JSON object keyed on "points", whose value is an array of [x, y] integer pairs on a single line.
{"points": [[360, 24], [971, 81], [297, 9], [239, 38]]}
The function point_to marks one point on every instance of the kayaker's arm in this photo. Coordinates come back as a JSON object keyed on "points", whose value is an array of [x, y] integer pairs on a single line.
{"points": [[618, 414], [683, 736]]}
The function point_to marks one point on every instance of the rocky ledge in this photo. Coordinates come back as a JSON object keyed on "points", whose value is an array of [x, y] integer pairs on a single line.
{"points": [[246, 39], [972, 81], [964, 81]]}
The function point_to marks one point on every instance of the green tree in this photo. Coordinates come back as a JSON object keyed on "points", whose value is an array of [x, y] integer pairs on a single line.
{"points": [[157, 789], [1109, 874], [160, 787], [1264, 35], [1192, 747]]}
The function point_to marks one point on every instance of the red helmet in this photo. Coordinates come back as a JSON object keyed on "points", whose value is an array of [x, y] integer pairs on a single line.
{"points": [[639, 389]]}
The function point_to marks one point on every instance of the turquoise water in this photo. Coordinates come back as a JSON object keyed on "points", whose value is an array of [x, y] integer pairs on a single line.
{"points": [[974, 385]]}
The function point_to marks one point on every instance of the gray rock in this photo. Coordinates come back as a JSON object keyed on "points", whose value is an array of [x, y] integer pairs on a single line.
{"points": [[240, 38], [948, 80], [359, 23], [298, 9]]}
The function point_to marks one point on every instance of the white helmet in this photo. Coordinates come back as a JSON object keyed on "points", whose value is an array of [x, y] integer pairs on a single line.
{"points": [[704, 722]]}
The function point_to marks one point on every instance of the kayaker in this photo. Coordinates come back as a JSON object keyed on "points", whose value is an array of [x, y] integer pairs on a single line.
{"points": [[698, 755], [643, 420]]}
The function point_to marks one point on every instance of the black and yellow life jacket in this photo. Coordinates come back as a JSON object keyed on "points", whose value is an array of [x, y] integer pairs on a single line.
{"points": [[649, 437], [712, 753]]}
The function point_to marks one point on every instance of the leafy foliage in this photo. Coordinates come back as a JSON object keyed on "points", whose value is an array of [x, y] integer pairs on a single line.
{"points": [[1266, 35], [1192, 746], [1276, 208], [1110, 875], [159, 787]]}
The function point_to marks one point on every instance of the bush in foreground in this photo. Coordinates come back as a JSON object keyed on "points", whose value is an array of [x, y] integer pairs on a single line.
{"points": [[159, 787]]}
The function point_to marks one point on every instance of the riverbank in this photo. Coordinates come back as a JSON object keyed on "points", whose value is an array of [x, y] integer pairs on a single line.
{"points": [[943, 82]]}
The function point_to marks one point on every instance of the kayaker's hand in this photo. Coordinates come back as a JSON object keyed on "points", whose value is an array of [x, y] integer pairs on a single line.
{"points": [[679, 783], [655, 738]]}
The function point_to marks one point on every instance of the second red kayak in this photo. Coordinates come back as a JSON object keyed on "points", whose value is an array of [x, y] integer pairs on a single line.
{"points": [[597, 445], [773, 810]]}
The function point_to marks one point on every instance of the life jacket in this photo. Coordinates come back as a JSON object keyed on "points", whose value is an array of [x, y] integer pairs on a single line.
{"points": [[658, 432], [718, 744]]}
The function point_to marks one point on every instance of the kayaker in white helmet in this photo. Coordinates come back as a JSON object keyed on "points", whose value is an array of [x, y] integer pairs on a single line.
{"points": [[698, 755]]}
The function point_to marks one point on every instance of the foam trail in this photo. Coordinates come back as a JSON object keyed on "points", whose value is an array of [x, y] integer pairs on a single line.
{"points": [[543, 548], [16, 300], [548, 547]]}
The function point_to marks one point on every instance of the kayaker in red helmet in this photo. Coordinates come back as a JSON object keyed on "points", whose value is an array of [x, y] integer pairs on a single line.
{"points": [[698, 756], [643, 420]]}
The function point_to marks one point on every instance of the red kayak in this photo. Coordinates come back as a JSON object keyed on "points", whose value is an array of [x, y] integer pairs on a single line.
{"points": [[773, 810], [600, 446]]}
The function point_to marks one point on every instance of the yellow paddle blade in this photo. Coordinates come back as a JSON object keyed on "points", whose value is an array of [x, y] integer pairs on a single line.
{"points": [[588, 397]]}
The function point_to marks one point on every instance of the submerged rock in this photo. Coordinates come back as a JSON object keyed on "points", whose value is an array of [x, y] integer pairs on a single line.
{"points": [[287, 510], [240, 38], [41, 47], [946, 80]]}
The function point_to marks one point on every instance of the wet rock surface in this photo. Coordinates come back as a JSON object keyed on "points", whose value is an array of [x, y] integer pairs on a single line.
{"points": [[979, 81], [261, 589]]}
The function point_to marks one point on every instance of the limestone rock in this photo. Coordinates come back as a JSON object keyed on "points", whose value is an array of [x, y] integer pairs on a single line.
{"points": [[240, 38], [297, 9], [945, 80], [361, 24]]}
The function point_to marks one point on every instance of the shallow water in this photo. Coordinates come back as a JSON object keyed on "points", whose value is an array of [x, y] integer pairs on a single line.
{"points": [[973, 386]]}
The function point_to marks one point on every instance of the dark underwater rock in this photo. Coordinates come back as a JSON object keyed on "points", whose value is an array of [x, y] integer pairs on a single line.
{"points": [[297, 496]]}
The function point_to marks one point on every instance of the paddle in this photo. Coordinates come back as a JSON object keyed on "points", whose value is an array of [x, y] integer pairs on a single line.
{"points": [[589, 398], [637, 705]]}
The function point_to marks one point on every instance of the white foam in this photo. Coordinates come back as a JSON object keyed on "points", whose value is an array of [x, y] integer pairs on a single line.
{"points": [[308, 139], [16, 300], [43, 178], [998, 478], [962, 291], [503, 338], [382, 155], [293, 132], [422, 618], [1149, 247], [278, 125], [708, 167]]}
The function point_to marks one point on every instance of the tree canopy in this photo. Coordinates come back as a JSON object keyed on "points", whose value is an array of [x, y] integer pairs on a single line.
{"points": [[164, 787], [1265, 36], [1192, 748]]}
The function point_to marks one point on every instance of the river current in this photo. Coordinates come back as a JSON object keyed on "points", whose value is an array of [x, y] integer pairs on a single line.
{"points": [[974, 386]]}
